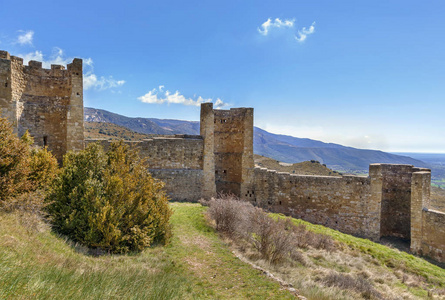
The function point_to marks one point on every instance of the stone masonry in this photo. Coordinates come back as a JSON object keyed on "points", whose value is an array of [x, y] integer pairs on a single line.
{"points": [[394, 200], [46, 102]]}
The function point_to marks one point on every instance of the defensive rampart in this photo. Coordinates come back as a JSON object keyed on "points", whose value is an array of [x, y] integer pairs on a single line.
{"points": [[176, 160], [394, 200], [342, 203]]}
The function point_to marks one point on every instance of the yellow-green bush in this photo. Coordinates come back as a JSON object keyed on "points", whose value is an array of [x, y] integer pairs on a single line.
{"points": [[14, 163], [24, 169], [109, 201]]}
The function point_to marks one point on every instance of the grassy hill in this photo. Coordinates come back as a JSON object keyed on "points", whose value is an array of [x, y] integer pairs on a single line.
{"points": [[305, 168], [110, 131], [198, 264]]}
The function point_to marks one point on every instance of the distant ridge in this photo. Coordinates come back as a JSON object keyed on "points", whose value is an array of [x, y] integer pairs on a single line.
{"points": [[280, 147]]}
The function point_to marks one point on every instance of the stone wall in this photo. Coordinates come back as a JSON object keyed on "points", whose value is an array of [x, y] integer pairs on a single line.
{"points": [[371, 207], [172, 152], [395, 198], [343, 203], [46, 102], [427, 225], [175, 160], [181, 184]]}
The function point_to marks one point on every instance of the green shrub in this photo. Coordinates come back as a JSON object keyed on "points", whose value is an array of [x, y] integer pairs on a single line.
{"points": [[109, 201], [43, 166]]}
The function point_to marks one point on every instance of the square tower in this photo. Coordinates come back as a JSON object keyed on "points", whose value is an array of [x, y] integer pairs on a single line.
{"points": [[46, 102]]}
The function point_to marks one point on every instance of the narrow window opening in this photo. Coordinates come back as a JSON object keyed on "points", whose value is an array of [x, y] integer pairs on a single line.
{"points": [[225, 171], [78, 94], [45, 141], [280, 202], [6, 84]]}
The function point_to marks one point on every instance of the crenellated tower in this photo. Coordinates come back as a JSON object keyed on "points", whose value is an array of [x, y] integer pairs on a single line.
{"points": [[46, 102]]}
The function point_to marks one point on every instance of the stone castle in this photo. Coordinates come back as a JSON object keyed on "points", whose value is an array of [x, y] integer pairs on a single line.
{"points": [[394, 200]]}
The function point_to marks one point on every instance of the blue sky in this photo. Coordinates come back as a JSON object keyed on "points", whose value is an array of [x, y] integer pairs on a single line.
{"points": [[367, 74]]}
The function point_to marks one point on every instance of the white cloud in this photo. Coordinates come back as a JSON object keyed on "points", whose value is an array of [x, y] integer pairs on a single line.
{"points": [[37, 56], [300, 36], [304, 32], [25, 38], [277, 23], [159, 96], [90, 80]]}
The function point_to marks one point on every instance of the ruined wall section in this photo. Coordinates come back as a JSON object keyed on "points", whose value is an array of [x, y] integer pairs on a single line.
{"points": [[46, 102], [427, 225], [342, 203], [175, 160], [233, 148]]}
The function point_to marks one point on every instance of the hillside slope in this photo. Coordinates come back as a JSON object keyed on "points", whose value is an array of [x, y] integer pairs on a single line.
{"points": [[312, 167], [198, 264], [280, 147], [37, 264]]}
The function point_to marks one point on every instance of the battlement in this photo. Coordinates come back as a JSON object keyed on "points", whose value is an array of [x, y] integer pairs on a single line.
{"points": [[36, 66], [46, 102], [4, 54]]}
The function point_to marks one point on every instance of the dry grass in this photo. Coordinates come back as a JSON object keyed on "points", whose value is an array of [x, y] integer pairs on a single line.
{"points": [[37, 264], [275, 240], [321, 268]]}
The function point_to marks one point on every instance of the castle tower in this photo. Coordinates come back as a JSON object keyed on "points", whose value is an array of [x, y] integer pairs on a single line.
{"points": [[232, 147], [207, 129], [46, 102]]}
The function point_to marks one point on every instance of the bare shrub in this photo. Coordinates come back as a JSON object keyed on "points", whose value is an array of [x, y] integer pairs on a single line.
{"points": [[271, 237], [347, 282], [305, 238], [274, 240], [229, 214]]}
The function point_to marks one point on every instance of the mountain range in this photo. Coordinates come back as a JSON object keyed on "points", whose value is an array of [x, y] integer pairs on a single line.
{"points": [[284, 148]]}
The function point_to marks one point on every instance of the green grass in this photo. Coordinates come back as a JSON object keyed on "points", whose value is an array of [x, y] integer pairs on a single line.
{"points": [[197, 264], [37, 264]]}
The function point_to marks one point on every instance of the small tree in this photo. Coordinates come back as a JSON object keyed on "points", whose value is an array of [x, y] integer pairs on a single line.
{"points": [[109, 200]]}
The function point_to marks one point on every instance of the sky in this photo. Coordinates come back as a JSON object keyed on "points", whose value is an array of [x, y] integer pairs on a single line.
{"points": [[366, 74]]}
